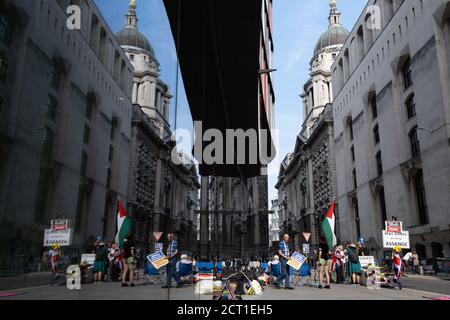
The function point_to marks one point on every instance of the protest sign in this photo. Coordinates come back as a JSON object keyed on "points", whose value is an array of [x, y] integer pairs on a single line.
{"points": [[392, 239], [158, 259], [296, 260]]}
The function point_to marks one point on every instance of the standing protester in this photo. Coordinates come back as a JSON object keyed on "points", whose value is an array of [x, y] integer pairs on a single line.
{"points": [[361, 250], [54, 255], [172, 256], [397, 266], [283, 252], [324, 262], [129, 263], [354, 266], [416, 262], [113, 255], [100, 262], [337, 264]]}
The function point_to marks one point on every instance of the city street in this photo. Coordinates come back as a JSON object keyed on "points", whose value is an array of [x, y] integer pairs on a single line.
{"points": [[415, 288]]}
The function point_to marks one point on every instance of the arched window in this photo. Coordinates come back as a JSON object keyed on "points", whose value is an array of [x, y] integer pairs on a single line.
{"points": [[415, 142], [437, 250], [376, 134], [373, 105], [421, 250], [379, 164], [421, 198], [410, 106], [406, 73]]}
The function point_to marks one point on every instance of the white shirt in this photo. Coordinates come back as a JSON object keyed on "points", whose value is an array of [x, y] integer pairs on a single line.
{"points": [[408, 256]]}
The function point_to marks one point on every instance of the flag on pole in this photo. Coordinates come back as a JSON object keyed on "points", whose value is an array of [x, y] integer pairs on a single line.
{"points": [[328, 227], [123, 224]]}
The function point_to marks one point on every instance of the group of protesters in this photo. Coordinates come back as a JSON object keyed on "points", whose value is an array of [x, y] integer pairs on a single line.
{"points": [[339, 264], [113, 263]]}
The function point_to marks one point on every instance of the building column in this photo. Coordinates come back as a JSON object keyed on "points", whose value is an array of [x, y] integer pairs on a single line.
{"points": [[135, 93], [204, 219], [151, 94]]}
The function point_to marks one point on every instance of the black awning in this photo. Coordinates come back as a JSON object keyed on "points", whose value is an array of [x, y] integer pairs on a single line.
{"points": [[218, 44]]}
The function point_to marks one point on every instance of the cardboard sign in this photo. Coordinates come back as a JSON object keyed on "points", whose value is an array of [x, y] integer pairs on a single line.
{"points": [[158, 260], [59, 225], [365, 261], [306, 248], [392, 239], [88, 258], [159, 247], [394, 226], [296, 260], [63, 237]]}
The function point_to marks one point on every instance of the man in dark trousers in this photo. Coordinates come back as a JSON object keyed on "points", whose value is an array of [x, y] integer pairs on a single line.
{"points": [[285, 256], [172, 256]]}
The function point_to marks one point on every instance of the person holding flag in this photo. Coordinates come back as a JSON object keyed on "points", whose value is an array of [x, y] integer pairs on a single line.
{"points": [[328, 226], [327, 241], [123, 225]]}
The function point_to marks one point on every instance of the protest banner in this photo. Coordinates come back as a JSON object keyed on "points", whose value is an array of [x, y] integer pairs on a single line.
{"points": [[392, 239], [62, 237]]}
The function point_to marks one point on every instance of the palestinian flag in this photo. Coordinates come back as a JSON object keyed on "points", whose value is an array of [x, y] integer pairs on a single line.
{"points": [[328, 227], [123, 224]]}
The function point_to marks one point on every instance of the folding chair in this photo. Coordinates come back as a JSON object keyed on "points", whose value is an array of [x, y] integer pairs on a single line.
{"points": [[185, 272], [302, 276], [275, 272], [153, 275], [264, 266]]}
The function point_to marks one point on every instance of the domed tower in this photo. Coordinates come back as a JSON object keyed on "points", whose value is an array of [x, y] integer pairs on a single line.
{"points": [[149, 92], [318, 90]]}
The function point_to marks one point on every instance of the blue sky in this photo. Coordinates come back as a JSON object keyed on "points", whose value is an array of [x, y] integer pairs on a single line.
{"points": [[298, 25]]}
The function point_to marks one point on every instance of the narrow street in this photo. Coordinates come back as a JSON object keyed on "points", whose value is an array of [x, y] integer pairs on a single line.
{"points": [[415, 288]]}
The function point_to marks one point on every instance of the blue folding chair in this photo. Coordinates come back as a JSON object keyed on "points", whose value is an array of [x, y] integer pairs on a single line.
{"points": [[264, 266], [153, 275], [275, 270], [303, 276], [185, 271]]}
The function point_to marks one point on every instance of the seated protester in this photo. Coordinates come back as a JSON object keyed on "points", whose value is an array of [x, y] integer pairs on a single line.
{"points": [[184, 266], [274, 267]]}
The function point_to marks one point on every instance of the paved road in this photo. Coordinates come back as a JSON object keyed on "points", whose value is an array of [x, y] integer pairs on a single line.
{"points": [[426, 283], [415, 289]]}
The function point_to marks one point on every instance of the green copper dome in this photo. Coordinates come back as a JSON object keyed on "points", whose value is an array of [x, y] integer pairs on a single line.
{"points": [[335, 35]]}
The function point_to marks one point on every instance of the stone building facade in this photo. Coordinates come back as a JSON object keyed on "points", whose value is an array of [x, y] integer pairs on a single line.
{"points": [[392, 125], [65, 122], [274, 223], [307, 179], [161, 195], [238, 217]]}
